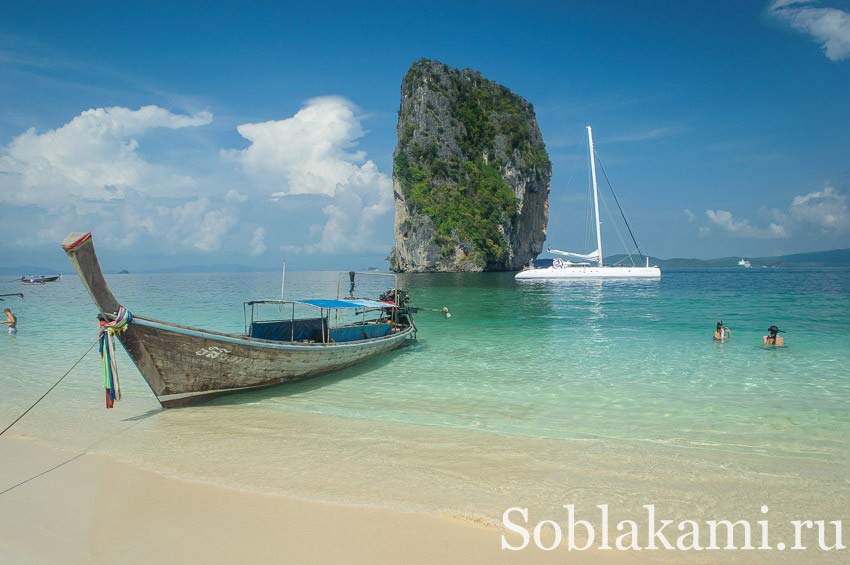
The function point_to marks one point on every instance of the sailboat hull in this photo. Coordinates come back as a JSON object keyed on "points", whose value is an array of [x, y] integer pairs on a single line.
{"points": [[590, 273]]}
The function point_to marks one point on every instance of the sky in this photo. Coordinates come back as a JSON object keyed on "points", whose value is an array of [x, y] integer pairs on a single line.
{"points": [[191, 134]]}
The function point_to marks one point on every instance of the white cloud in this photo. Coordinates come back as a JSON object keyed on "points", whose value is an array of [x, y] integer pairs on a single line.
{"points": [[258, 242], [94, 157], [825, 209], [193, 224], [354, 214], [307, 153], [828, 26], [649, 134], [92, 173], [315, 153], [234, 195], [88, 172], [725, 221], [820, 212], [690, 215]]}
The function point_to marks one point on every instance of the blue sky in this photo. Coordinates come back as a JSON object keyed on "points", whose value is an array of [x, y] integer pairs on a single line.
{"points": [[185, 134]]}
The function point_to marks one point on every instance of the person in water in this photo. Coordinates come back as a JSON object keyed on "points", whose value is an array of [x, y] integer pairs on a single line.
{"points": [[12, 321], [721, 332], [773, 337]]}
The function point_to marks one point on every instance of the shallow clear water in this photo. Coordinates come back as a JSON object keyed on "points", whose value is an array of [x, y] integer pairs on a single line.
{"points": [[531, 392]]}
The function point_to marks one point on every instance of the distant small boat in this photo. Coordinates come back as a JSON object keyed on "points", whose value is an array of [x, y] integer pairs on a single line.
{"points": [[182, 364], [40, 279], [744, 263]]}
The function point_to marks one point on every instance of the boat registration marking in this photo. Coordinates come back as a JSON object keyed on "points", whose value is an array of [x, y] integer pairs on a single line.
{"points": [[212, 352]]}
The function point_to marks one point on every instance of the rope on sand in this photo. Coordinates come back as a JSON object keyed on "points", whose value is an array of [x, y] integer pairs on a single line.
{"points": [[16, 420], [75, 457], [25, 481]]}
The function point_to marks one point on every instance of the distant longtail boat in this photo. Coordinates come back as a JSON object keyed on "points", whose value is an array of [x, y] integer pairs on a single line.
{"points": [[39, 279], [182, 364]]}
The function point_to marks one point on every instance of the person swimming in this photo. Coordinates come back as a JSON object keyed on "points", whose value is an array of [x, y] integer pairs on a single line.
{"points": [[12, 320], [773, 337], [721, 332]]}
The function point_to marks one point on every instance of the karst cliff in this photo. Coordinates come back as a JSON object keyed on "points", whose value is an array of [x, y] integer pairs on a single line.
{"points": [[470, 174]]}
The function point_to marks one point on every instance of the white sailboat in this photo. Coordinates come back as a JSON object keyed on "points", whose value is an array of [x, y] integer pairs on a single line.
{"points": [[566, 269], [744, 263]]}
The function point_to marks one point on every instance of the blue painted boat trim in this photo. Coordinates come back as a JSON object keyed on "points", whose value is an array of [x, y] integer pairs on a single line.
{"points": [[263, 343]]}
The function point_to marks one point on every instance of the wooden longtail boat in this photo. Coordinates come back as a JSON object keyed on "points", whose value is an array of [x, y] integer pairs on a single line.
{"points": [[40, 279], [182, 364]]}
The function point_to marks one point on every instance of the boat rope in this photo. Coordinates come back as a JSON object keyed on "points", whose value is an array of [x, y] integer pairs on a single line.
{"points": [[619, 236], [21, 294], [68, 372], [106, 339], [617, 200], [25, 481], [78, 455]]}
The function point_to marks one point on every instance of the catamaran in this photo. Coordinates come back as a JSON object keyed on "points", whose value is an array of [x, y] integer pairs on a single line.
{"points": [[584, 269]]}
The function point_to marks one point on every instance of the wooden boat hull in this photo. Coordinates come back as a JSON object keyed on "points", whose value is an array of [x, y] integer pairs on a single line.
{"points": [[183, 364]]}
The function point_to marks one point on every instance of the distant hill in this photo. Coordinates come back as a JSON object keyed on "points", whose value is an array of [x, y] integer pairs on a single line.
{"points": [[833, 258]]}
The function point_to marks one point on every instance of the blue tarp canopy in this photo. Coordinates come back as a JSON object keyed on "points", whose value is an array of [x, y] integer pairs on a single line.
{"points": [[331, 304], [363, 303], [328, 304]]}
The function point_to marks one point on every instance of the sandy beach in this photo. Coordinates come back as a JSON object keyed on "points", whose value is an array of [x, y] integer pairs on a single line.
{"points": [[448, 283], [97, 510]]}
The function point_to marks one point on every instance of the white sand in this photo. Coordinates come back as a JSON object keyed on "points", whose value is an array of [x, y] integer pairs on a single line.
{"points": [[97, 510]]}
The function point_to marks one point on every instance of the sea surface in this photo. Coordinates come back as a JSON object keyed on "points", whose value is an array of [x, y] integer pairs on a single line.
{"points": [[533, 394]]}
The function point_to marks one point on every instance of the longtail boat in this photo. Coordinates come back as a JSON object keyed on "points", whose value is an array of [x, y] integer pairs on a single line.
{"points": [[39, 279], [182, 364]]}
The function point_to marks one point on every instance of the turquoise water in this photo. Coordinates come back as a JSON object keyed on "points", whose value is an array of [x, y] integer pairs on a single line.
{"points": [[530, 392]]}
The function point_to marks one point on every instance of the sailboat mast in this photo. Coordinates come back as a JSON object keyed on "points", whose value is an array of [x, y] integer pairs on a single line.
{"points": [[283, 279], [595, 195]]}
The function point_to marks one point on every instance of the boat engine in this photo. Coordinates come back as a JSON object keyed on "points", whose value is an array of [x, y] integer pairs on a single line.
{"points": [[398, 295]]}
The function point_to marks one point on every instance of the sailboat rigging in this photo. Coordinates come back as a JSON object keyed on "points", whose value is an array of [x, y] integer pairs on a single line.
{"points": [[561, 269]]}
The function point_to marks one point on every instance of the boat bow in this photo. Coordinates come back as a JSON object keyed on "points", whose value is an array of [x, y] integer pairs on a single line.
{"points": [[80, 249]]}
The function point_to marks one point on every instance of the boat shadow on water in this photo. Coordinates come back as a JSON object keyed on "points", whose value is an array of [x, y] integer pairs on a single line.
{"points": [[307, 385], [149, 414]]}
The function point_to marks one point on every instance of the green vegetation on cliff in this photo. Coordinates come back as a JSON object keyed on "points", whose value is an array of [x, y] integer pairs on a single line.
{"points": [[469, 209], [455, 173]]}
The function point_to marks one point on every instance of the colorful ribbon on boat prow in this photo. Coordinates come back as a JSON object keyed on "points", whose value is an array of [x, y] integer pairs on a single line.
{"points": [[107, 353]]}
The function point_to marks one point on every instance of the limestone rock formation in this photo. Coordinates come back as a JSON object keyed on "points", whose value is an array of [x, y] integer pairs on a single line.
{"points": [[470, 174]]}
